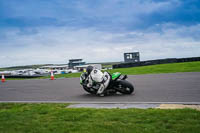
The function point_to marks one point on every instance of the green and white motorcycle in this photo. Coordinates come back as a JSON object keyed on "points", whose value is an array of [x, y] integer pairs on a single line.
{"points": [[118, 83]]}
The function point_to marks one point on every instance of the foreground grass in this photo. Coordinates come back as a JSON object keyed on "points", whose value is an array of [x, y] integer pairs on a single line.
{"points": [[56, 118]]}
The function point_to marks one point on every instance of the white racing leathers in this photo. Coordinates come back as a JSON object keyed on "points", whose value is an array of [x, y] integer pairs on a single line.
{"points": [[102, 79]]}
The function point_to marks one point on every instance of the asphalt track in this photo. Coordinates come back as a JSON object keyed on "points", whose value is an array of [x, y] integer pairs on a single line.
{"points": [[152, 88]]}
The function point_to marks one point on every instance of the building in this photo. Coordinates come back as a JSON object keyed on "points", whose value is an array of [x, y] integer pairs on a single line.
{"points": [[55, 67], [132, 57], [82, 67], [75, 62]]}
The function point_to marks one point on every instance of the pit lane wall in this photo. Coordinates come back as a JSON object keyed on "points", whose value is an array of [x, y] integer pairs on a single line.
{"points": [[155, 62]]}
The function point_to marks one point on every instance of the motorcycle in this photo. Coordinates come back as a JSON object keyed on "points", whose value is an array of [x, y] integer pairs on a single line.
{"points": [[118, 83]]}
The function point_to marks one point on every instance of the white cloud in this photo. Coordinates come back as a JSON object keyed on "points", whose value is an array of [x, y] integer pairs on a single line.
{"points": [[57, 45]]}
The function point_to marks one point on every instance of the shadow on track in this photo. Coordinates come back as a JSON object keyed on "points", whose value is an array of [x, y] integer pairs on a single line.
{"points": [[106, 96]]}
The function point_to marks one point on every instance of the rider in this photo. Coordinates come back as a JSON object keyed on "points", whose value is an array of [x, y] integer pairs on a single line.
{"points": [[96, 76]]}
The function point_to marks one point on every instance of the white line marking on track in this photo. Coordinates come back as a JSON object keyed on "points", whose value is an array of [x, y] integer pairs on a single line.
{"points": [[198, 103]]}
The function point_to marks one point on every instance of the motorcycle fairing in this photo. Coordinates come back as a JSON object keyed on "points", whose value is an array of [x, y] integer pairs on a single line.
{"points": [[116, 75]]}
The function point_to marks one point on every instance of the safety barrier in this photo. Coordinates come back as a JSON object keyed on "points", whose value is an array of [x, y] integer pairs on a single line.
{"points": [[155, 62]]}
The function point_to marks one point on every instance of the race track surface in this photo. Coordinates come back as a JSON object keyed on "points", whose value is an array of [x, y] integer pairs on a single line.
{"points": [[178, 87]]}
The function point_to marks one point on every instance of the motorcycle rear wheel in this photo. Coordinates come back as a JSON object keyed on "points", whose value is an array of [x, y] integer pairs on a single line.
{"points": [[125, 87]]}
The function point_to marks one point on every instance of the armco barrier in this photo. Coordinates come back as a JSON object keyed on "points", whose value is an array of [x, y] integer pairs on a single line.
{"points": [[154, 62]]}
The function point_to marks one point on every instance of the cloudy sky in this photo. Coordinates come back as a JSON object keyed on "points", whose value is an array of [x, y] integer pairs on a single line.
{"points": [[53, 31]]}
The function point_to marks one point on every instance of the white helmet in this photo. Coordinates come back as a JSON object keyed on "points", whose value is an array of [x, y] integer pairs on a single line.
{"points": [[96, 75]]}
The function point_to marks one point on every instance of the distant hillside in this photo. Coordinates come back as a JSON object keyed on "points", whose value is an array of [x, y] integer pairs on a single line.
{"points": [[23, 67], [104, 65]]}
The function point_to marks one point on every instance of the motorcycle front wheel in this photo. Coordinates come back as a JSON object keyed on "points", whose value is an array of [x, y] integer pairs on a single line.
{"points": [[125, 87], [88, 90]]}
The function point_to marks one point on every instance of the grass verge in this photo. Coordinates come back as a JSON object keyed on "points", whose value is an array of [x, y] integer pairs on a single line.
{"points": [[152, 69], [47, 118], [68, 75], [162, 68]]}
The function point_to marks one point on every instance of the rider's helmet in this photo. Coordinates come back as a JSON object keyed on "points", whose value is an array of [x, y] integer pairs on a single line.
{"points": [[89, 69]]}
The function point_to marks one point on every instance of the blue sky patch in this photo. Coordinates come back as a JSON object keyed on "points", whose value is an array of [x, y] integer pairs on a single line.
{"points": [[156, 28]]}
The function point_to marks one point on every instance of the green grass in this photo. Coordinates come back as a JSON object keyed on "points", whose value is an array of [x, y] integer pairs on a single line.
{"points": [[162, 68], [152, 69], [56, 118], [68, 75]]}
